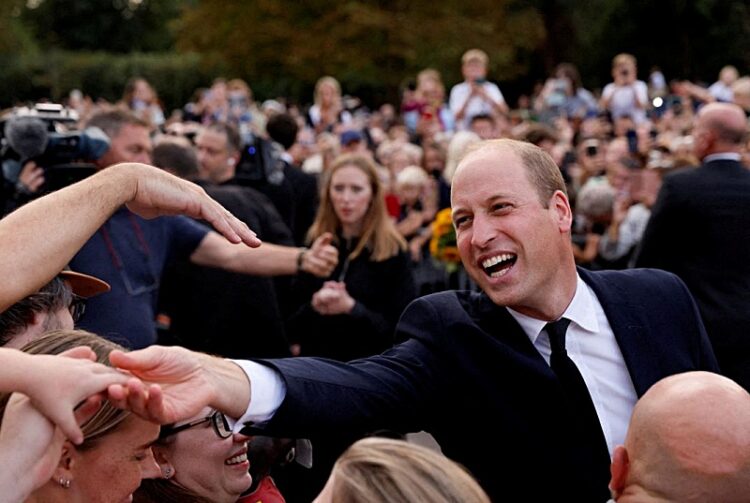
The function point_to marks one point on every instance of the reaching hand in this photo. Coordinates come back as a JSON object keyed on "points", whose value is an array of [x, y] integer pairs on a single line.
{"points": [[59, 383], [322, 257], [159, 193], [183, 382]]}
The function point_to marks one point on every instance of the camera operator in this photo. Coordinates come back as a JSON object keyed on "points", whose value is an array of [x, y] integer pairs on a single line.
{"points": [[626, 95], [43, 151]]}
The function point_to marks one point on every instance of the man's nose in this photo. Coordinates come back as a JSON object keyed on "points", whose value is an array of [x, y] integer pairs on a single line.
{"points": [[483, 231]]}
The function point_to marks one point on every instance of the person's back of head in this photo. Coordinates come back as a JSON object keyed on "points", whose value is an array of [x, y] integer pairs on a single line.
{"points": [[380, 469], [24, 314], [180, 160], [111, 120], [282, 128], [688, 441]]}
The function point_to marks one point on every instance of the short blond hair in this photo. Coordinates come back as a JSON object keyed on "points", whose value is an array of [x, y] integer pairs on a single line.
{"points": [[475, 55], [412, 176], [382, 469], [622, 59]]}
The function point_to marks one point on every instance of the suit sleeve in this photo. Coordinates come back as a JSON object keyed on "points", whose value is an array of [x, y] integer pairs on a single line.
{"points": [[388, 391]]}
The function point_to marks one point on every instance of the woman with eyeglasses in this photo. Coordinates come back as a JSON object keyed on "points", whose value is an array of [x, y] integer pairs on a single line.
{"points": [[116, 451], [201, 460], [353, 313]]}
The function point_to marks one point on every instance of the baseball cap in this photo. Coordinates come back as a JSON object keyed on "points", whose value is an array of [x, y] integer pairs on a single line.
{"points": [[84, 285]]}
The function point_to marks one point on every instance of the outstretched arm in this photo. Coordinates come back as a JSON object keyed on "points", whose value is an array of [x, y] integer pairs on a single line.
{"points": [[269, 259], [39, 239]]}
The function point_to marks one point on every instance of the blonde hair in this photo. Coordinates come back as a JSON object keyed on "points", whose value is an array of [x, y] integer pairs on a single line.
{"points": [[327, 81], [381, 469], [107, 418], [475, 55], [378, 231], [412, 176], [622, 59]]}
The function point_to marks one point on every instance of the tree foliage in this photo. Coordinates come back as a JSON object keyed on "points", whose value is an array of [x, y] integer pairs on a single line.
{"points": [[366, 44], [118, 26]]}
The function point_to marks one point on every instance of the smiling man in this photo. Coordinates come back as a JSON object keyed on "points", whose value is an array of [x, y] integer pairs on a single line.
{"points": [[533, 410]]}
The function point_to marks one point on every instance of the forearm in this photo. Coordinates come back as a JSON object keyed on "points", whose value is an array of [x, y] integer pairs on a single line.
{"points": [[39, 239], [267, 260], [17, 370], [16, 484]]}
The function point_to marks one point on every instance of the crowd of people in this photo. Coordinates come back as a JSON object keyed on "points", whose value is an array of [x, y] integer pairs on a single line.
{"points": [[306, 250]]}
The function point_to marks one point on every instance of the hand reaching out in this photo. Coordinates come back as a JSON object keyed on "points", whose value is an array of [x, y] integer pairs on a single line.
{"points": [[156, 193], [57, 384], [178, 384]]}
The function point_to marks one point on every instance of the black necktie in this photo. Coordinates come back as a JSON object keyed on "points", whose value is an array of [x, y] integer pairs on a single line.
{"points": [[592, 445]]}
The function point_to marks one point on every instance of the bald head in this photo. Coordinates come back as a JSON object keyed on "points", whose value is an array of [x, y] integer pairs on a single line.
{"points": [[689, 440], [721, 127]]}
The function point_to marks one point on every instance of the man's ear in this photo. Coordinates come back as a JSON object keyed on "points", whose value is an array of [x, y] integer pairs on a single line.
{"points": [[619, 470], [561, 206]]}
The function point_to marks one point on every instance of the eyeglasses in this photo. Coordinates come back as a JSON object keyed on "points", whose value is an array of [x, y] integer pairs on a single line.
{"points": [[77, 307], [217, 419]]}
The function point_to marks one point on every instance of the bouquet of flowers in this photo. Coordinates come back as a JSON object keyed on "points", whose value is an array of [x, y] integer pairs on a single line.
{"points": [[443, 246]]}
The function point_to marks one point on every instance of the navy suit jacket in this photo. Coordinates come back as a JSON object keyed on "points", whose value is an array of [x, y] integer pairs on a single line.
{"points": [[700, 230], [468, 374]]}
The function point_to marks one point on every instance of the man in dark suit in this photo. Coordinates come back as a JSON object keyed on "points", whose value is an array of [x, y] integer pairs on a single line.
{"points": [[483, 372], [700, 230]]}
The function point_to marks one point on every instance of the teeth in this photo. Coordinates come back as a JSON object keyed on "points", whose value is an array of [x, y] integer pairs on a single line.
{"points": [[499, 273], [496, 260], [236, 460]]}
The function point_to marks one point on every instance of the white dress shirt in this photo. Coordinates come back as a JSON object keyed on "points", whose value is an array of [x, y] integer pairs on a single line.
{"points": [[590, 343]]}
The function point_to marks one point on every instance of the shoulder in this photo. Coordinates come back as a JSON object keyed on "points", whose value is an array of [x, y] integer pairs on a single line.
{"points": [[642, 283], [451, 303]]}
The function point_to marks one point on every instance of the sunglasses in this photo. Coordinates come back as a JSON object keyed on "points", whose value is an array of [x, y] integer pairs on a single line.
{"points": [[77, 307], [218, 422]]}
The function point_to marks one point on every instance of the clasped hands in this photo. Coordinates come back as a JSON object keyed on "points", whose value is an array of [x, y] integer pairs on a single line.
{"points": [[332, 298]]}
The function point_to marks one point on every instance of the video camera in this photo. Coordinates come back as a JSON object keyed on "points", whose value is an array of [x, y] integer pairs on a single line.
{"points": [[47, 135]]}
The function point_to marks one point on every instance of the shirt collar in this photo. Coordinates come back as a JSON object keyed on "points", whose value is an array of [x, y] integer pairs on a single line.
{"points": [[723, 156], [580, 311]]}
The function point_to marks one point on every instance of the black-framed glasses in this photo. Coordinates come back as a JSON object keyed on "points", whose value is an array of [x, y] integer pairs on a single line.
{"points": [[77, 307], [218, 422]]}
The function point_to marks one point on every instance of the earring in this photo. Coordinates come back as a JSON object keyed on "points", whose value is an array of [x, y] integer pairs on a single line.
{"points": [[64, 483], [167, 472]]}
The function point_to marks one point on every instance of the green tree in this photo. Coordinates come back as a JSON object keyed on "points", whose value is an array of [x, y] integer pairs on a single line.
{"points": [[371, 46], [116, 25]]}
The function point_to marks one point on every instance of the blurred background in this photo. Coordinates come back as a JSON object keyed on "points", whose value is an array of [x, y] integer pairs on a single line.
{"points": [[48, 47]]}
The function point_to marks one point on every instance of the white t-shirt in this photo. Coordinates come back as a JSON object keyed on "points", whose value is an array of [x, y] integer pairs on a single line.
{"points": [[476, 106], [623, 100]]}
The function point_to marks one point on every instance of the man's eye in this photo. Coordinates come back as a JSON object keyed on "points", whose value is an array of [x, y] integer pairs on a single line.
{"points": [[461, 222]]}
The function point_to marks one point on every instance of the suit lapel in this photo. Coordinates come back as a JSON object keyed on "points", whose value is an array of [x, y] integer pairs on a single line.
{"points": [[497, 321], [623, 311]]}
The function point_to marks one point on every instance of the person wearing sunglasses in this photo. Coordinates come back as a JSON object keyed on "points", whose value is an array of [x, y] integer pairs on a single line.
{"points": [[201, 460], [58, 305]]}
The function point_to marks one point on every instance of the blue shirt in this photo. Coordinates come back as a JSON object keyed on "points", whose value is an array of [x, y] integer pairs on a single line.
{"points": [[130, 253]]}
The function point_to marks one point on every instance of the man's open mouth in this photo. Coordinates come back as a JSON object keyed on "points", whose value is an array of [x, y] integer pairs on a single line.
{"points": [[497, 266]]}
